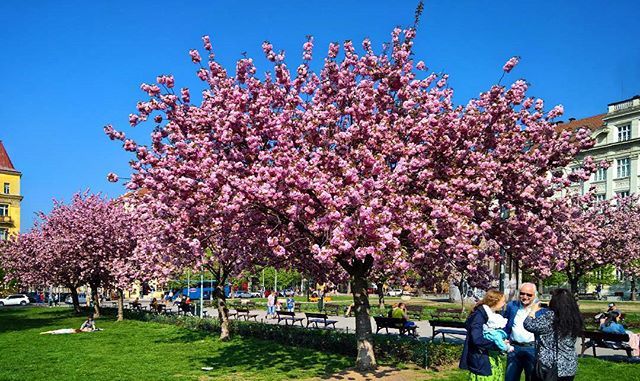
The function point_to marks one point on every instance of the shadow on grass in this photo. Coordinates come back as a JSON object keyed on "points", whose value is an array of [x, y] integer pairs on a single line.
{"points": [[615, 358], [262, 356], [24, 318], [245, 353]]}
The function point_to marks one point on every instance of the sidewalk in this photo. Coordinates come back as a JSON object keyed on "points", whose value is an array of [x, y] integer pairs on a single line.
{"points": [[424, 331]]}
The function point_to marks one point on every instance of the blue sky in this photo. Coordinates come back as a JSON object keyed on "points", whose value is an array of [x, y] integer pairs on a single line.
{"points": [[68, 68]]}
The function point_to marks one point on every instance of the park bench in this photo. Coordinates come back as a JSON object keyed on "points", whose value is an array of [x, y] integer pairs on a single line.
{"points": [[449, 313], [395, 323], [316, 318], [232, 314], [189, 310], [333, 309], [588, 296], [287, 317], [414, 312], [451, 327], [245, 314], [613, 341]]}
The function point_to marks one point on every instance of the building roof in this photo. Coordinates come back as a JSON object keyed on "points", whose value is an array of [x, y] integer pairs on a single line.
{"points": [[5, 161], [625, 100], [592, 123]]}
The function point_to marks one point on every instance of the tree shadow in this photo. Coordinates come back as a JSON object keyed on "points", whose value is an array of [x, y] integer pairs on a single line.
{"points": [[19, 319], [616, 358], [268, 357]]}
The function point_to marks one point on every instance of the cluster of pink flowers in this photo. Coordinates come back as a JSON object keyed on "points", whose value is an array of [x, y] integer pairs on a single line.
{"points": [[361, 169]]}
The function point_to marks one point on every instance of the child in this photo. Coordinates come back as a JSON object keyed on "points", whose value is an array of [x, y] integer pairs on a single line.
{"points": [[290, 304], [494, 328]]}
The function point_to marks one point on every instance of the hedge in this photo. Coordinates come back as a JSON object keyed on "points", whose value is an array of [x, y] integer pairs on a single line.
{"points": [[388, 348]]}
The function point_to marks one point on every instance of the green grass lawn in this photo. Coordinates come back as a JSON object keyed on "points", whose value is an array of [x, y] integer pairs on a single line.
{"points": [[134, 350], [589, 369]]}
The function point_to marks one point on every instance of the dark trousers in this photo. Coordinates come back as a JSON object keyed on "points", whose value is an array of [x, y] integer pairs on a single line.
{"points": [[522, 358]]}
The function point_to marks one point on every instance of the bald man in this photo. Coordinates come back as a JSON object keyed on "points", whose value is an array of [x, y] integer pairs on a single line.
{"points": [[524, 355]]}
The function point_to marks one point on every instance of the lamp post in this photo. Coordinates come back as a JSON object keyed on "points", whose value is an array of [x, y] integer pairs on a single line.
{"points": [[201, 290], [504, 215]]}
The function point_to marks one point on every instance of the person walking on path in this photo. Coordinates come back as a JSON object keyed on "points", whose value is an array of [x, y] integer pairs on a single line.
{"points": [[556, 330], [271, 305], [481, 356], [523, 356]]}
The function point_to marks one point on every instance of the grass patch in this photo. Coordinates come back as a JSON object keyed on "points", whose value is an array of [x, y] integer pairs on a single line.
{"points": [[133, 350], [589, 369]]}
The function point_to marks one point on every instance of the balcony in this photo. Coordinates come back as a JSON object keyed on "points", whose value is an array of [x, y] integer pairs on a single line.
{"points": [[624, 105], [5, 220]]}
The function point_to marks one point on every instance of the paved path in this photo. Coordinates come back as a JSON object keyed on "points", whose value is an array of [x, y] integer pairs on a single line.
{"points": [[348, 324]]}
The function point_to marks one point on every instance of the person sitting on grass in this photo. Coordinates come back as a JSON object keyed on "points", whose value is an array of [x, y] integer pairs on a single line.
{"points": [[89, 325]]}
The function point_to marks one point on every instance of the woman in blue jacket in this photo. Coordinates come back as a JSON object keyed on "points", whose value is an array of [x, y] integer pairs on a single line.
{"points": [[480, 356]]}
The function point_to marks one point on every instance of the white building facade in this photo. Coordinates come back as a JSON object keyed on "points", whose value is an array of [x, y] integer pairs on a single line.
{"points": [[617, 135]]}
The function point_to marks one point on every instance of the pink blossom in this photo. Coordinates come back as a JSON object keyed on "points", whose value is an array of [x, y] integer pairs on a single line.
{"points": [[207, 42], [112, 177], [510, 64], [195, 56]]}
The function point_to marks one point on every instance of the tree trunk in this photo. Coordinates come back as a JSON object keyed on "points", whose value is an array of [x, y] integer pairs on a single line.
{"points": [[74, 298], [120, 305], [96, 300], [365, 359], [573, 283], [462, 295], [380, 286], [223, 313], [633, 288]]}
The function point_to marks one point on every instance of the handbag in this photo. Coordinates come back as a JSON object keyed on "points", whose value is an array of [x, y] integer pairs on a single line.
{"points": [[543, 372]]}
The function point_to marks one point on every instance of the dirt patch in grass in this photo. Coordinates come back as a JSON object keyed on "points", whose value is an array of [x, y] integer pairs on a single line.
{"points": [[383, 373]]}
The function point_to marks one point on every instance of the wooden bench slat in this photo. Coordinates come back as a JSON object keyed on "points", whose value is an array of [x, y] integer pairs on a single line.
{"points": [[289, 316], [452, 327], [317, 318]]}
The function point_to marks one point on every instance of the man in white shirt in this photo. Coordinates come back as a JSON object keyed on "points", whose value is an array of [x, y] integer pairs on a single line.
{"points": [[523, 356]]}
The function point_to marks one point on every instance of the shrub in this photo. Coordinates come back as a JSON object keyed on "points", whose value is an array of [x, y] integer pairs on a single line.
{"points": [[441, 355], [388, 348]]}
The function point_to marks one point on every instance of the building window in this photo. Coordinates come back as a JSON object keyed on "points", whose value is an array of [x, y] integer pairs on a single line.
{"points": [[4, 209], [4, 234], [6, 188], [624, 167], [601, 174], [601, 197], [622, 194], [624, 132]]}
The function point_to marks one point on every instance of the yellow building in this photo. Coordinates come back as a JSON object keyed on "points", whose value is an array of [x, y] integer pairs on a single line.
{"points": [[9, 196]]}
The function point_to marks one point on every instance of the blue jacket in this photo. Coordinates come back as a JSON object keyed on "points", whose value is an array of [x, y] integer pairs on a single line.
{"points": [[613, 328], [475, 357], [510, 313]]}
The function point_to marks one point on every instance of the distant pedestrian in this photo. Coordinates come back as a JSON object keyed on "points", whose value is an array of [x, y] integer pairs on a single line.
{"points": [[291, 303], [271, 305]]}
